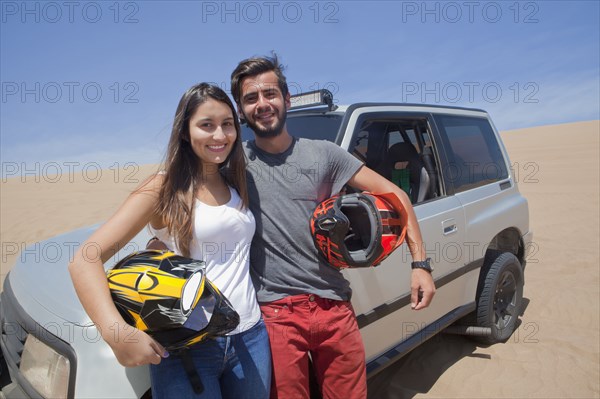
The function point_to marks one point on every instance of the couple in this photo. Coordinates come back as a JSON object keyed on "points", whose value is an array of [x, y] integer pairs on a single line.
{"points": [[277, 285]]}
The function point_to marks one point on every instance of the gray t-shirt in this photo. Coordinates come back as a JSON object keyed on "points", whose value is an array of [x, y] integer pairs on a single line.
{"points": [[284, 190]]}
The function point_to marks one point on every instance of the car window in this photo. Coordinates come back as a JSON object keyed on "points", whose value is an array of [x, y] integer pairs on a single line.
{"points": [[401, 150], [477, 157]]}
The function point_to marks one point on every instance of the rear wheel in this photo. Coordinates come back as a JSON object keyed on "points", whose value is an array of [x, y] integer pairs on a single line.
{"points": [[500, 298]]}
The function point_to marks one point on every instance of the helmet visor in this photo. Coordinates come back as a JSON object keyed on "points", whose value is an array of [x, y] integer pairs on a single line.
{"points": [[197, 304]]}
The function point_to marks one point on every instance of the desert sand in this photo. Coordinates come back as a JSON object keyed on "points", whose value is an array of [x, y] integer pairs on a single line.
{"points": [[555, 352]]}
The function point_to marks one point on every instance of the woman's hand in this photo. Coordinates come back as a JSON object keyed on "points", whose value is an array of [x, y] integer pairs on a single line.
{"points": [[133, 347]]}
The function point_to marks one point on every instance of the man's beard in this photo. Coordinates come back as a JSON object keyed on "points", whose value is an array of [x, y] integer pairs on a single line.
{"points": [[273, 131]]}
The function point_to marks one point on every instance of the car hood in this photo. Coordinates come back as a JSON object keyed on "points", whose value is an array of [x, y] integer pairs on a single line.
{"points": [[41, 282]]}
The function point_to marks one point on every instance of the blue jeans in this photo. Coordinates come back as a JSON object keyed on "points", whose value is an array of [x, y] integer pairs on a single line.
{"points": [[235, 366]]}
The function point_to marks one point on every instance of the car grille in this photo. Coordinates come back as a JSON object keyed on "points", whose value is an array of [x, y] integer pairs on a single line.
{"points": [[13, 333]]}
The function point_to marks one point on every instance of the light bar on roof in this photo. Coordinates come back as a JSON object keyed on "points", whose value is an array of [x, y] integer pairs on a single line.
{"points": [[312, 99]]}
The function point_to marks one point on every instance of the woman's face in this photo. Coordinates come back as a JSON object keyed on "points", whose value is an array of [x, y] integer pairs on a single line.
{"points": [[212, 132]]}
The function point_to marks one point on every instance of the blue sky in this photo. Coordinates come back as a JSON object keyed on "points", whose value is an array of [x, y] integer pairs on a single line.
{"points": [[99, 81]]}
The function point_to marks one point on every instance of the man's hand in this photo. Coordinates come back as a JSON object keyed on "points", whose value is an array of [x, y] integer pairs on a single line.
{"points": [[155, 243], [422, 289]]}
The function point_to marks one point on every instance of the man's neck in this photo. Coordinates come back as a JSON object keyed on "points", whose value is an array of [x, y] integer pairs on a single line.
{"points": [[274, 145]]}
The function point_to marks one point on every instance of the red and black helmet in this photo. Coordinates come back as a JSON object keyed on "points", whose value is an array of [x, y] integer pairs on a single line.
{"points": [[358, 230]]}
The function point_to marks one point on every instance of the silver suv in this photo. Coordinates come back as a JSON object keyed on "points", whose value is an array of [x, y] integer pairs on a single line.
{"points": [[475, 224]]}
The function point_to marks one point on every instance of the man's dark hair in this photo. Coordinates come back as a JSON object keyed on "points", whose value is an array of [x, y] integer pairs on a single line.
{"points": [[255, 66]]}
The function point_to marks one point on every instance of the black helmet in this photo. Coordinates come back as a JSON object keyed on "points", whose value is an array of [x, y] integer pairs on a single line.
{"points": [[358, 230], [169, 297]]}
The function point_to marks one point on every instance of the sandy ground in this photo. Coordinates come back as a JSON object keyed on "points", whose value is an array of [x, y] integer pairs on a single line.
{"points": [[555, 352]]}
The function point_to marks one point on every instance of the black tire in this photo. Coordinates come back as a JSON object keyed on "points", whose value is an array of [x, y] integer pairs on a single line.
{"points": [[501, 296]]}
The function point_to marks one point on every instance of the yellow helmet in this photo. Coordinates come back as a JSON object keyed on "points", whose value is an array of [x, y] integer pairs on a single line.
{"points": [[169, 297]]}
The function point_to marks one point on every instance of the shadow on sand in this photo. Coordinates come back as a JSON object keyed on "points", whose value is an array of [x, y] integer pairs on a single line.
{"points": [[418, 371]]}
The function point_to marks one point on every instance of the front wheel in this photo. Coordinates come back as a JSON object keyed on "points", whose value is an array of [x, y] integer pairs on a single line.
{"points": [[499, 303]]}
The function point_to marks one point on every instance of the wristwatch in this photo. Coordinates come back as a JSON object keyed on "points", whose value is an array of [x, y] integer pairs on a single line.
{"points": [[422, 264]]}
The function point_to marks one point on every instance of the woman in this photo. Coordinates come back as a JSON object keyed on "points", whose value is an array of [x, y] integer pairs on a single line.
{"points": [[198, 207]]}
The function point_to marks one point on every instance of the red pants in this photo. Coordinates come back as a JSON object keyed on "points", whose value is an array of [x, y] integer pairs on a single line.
{"points": [[327, 329]]}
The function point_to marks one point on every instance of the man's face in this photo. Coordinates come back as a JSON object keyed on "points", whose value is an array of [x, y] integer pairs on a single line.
{"points": [[263, 105]]}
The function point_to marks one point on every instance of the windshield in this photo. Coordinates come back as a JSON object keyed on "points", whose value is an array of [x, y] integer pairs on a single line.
{"points": [[310, 126]]}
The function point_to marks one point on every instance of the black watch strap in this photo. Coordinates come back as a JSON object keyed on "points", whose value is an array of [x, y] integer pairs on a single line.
{"points": [[422, 264]]}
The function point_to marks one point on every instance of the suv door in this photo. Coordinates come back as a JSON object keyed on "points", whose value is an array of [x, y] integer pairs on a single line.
{"points": [[479, 177], [382, 295]]}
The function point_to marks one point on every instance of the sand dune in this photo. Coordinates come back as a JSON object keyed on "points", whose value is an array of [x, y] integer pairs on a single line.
{"points": [[555, 353], [35, 208]]}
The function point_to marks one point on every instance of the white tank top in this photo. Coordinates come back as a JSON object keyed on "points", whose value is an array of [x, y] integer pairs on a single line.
{"points": [[222, 236]]}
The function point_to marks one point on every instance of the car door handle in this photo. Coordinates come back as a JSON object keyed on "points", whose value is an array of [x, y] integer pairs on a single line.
{"points": [[449, 227]]}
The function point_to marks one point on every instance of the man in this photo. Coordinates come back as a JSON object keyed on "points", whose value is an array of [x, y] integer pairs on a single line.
{"points": [[305, 302]]}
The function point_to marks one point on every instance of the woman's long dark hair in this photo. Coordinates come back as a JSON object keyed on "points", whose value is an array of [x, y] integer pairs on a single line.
{"points": [[184, 172]]}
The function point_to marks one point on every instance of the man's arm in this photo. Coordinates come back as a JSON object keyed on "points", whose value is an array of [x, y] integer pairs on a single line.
{"points": [[421, 280]]}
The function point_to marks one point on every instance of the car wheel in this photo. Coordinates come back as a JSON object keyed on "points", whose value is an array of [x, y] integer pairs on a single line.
{"points": [[500, 298]]}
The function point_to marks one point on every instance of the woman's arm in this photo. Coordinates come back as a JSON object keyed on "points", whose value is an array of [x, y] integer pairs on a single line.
{"points": [[89, 277]]}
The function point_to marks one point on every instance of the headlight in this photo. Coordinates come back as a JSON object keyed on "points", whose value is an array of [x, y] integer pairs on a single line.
{"points": [[45, 369]]}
